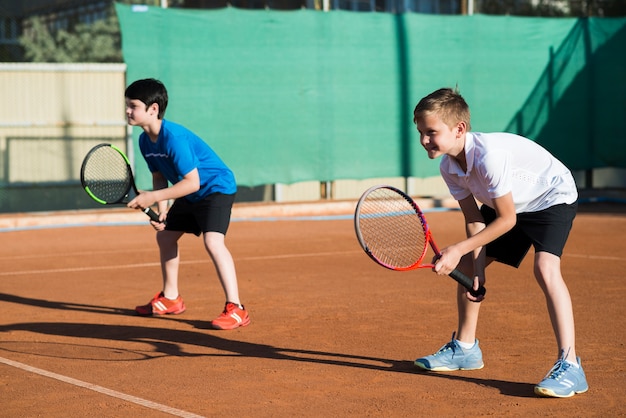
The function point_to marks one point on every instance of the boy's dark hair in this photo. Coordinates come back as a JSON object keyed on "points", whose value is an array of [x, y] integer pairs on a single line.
{"points": [[448, 104], [149, 90]]}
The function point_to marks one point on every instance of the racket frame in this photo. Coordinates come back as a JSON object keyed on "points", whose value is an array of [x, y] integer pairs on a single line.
{"points": [[457, 275], [418, 212], [131, 184]]}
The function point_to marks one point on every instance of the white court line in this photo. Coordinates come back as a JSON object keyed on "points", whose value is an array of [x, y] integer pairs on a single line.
{"points": [[264, 257], [113, 393], [76, 254], [155, 264], [596, 257], [75, 269]]}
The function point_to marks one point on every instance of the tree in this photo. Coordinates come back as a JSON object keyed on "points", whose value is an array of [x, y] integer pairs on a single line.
{"points": [[553, 8], [96, 42]]}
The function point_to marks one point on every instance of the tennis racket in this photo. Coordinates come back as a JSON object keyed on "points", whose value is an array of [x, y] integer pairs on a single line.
{"points": [[107, 177], [393, 231]]}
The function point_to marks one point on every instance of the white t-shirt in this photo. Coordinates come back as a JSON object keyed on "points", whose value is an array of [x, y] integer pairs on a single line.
{"points": [[499, 163]]}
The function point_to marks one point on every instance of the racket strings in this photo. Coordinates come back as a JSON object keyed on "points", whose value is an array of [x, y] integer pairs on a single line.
{"points": [[392, 229], [106, 174]]}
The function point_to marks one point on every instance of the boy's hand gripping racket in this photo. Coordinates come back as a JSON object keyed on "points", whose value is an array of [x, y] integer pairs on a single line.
{"points": [[393, 231], [107, 177]]}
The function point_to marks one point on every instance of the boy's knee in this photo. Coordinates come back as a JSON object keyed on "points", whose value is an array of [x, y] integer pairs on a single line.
{"points": [[214, 242]]}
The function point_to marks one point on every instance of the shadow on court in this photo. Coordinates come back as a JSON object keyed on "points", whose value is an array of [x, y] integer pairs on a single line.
{"points": [[171, 342], [67, 306]]}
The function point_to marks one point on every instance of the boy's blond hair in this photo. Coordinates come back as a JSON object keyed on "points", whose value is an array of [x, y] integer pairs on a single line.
{"points": [[448, 104]]}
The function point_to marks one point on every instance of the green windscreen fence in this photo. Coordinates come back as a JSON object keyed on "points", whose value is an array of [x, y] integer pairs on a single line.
{"points": [[304, 95]]}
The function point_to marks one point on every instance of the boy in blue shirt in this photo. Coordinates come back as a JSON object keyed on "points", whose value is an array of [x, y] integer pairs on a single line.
{"points": [[204, 191]]}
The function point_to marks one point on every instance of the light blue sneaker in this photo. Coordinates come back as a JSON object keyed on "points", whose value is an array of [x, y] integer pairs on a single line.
{"points": [[452, 357], [563, 380]]}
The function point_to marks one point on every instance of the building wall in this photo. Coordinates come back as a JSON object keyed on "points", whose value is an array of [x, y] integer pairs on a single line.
{"points": [[50, 116]]}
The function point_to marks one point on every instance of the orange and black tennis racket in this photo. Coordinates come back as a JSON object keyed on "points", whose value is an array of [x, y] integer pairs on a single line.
{"points": [[393, 231]]}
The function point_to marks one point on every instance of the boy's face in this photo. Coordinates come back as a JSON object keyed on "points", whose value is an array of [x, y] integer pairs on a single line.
{"points": [[137, 114], [438, 138]]}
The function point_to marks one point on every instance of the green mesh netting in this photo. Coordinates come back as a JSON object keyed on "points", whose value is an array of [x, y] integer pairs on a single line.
{"points": [[305, 95]]}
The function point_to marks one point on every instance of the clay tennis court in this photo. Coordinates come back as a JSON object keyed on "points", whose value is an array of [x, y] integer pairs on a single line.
{"points": [[332, 333]]}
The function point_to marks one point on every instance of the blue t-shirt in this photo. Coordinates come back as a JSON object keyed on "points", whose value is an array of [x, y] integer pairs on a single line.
{"points": [[178, 151]]}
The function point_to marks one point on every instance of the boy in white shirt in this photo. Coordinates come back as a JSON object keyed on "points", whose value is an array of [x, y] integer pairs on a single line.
{"points": [[527, 197]]}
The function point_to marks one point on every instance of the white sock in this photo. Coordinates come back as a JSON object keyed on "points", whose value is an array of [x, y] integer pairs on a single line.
{"points": [[573, 364], [466, 346]]}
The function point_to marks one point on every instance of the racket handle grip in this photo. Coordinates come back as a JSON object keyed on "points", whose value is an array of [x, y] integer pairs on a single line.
{"points": [[467, 283], [152, 214]]}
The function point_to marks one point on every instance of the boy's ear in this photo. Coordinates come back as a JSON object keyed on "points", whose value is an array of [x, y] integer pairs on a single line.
{"points": [[154, 107], [461, 129]]}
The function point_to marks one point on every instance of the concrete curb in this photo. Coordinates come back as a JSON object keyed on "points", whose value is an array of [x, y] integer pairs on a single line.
{"points": [[241, 212]]}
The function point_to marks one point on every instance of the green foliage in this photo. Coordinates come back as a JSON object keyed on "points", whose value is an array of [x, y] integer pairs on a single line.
{"points": [[553, 8], [96, 42]]}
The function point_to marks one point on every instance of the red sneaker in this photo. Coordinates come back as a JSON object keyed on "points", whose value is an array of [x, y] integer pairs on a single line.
{"points": [[160, 305], [232, 317]]}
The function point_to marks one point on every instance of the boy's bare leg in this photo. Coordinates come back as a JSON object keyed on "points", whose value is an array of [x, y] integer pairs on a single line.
{"points": [[170, 261], [467, 310], [468, 317], [454, 356], [224, 265], [558, 300]]}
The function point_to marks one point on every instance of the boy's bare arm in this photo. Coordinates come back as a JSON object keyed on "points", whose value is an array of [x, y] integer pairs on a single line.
{"points": [[505, 220], [189, 184], [474, 223], [481, 235], [160, 182]]}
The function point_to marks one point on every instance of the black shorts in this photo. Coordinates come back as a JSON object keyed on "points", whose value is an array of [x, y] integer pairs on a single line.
{"points": [[212, 214], [546, 230]]}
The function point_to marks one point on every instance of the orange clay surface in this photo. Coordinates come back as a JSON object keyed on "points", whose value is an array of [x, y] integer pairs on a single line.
{"points": [[332, 333]]}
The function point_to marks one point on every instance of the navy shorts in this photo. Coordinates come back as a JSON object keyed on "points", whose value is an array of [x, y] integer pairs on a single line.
{"points": [[212, 214], [546, 230]]}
